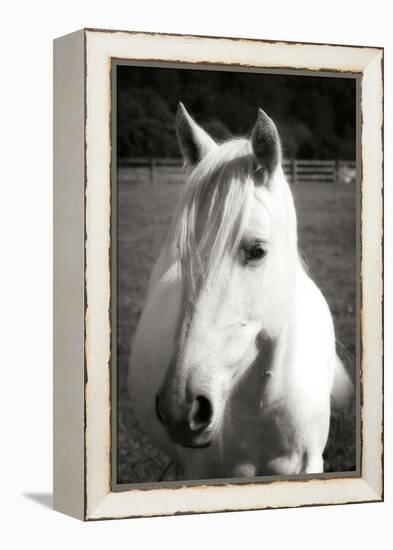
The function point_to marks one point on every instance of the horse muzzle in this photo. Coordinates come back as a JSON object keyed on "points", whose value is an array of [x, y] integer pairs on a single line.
{"points": [[193, 427]]}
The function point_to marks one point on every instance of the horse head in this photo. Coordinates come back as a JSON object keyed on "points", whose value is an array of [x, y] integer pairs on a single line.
{"points": [[235, 241]]}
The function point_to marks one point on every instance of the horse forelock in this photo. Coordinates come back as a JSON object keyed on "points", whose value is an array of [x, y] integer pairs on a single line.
{"points": [[213, 212]]}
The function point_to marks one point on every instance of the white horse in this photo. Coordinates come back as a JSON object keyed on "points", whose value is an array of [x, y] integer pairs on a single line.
{"points": [[234, 363]]}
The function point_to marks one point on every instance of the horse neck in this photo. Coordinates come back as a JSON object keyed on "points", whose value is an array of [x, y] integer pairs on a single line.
{"points": [[286, 267], [288, 276], [285, 342]]}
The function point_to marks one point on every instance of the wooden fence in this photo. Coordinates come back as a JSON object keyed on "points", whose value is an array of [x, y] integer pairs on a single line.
{"points": [[296, 171]]}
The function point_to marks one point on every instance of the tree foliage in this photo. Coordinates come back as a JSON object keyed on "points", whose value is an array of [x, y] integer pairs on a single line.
{"points": [[316, 115]]}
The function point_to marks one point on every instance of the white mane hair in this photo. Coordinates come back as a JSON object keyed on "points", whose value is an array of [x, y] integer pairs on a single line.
{"points": [[221, 187]]}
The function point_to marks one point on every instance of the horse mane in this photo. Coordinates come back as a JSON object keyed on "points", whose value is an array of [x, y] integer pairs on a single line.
{"points": [[213, 211]]}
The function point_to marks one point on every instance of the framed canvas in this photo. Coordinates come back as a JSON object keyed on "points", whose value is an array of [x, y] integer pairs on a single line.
{"points": [[218, 274]]}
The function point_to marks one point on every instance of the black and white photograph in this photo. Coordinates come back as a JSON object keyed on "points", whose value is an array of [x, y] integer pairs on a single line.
{"points": [[197, 308], [235, 275]]}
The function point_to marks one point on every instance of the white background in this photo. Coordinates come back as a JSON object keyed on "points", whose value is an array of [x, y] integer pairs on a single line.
{"points": [[26, 272]]}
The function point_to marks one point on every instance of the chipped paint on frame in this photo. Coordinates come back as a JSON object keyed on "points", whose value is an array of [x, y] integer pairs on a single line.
{"points": [[100, 48]]}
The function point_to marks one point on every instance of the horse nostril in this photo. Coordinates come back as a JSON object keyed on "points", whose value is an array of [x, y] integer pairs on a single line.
{"points": [[201, 413], [159, 413]]}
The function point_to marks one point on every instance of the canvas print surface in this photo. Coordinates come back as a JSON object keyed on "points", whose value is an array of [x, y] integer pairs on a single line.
{"points": [[236, 276]]}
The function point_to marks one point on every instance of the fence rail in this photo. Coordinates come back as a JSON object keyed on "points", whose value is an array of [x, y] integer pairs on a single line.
{"points": [[296, 170]]}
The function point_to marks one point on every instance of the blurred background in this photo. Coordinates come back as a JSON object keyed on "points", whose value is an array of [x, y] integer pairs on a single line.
{"points": [[316, 117]]}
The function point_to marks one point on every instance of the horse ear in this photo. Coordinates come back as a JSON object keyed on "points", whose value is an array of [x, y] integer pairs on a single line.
{"points": [[266, 142], [194, 142]]}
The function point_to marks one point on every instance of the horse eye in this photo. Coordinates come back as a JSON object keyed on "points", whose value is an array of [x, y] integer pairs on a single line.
{"points": [[253, 253]]}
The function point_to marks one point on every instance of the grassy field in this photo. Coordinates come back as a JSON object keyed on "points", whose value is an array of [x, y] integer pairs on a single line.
{"points": [[326, 219]]}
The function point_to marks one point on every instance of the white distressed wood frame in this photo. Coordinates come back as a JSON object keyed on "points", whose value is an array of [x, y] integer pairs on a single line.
{"points": [[82, 337]]}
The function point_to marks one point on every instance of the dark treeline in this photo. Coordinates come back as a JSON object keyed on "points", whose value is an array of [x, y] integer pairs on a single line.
{"points": [[316, 116]]}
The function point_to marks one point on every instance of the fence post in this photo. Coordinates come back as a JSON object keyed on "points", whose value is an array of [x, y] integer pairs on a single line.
{"points": [[337, 172], [294, 172], [152, 163]]}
